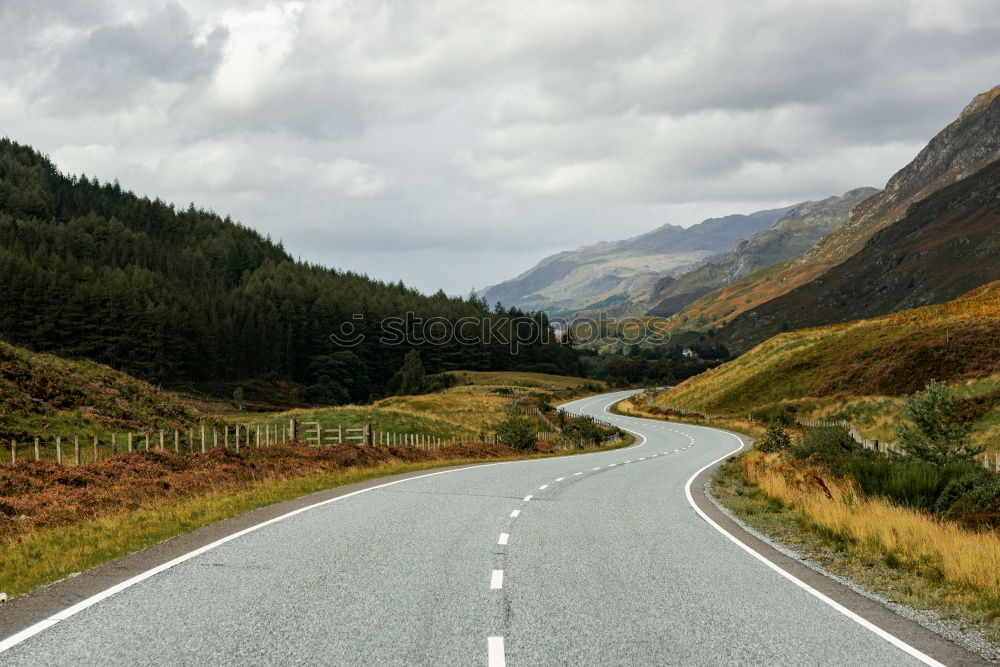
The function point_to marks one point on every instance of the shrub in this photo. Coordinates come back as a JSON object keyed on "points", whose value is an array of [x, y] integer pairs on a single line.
{"points": [[829, 445], [517, 431], [775, 440], [783, 416], [973, 499], [935, 429], [584, 427], [911, 482]]}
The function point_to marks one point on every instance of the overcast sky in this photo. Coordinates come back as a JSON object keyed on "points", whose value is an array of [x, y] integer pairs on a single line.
{"points": [[454, 144]]}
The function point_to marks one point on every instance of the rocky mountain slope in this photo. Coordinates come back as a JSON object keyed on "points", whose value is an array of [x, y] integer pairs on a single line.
{"points": [[962, 148], [945, 245], [615, 271], [793, 233]]}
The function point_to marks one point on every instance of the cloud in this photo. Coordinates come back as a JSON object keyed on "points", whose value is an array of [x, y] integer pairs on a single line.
{"points": [[114, 63], [394, 137]]}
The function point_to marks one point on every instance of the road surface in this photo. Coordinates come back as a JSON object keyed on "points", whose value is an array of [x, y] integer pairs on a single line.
{"points": [[594, 559]]}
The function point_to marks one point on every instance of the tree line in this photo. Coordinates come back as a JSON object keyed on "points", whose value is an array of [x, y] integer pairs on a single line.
{"points": [[174, 296]]}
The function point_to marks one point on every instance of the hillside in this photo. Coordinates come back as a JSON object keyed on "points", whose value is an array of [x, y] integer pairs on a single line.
{"points": [[961, 149], [946, 245], [618, 270], [42, 392], [187, 298], [892, 355], [793, 233]]}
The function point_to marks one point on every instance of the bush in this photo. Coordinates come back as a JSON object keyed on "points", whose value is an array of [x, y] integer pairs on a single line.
{"points": [[517, 431], [584, 427], [829, 445], [783, 416], [914, 483], [973, 499], [775, 440]]}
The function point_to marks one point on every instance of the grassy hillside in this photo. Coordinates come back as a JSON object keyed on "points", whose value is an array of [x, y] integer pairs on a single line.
{"points": [[860, 369], [44, 393], [471, 407]]}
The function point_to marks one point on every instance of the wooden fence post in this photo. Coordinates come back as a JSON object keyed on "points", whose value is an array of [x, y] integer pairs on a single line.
{"points": [[191, 439], [97, 454], [76, 450], [368, 435], [13, 451], [59, 450], [237, 428], [291, 429], [162, 441], [257, 442], [227, 436], [177, 441], [114, 444], [215, 436], [38, 449], [203, 437], [131, 446], [147, 440]]}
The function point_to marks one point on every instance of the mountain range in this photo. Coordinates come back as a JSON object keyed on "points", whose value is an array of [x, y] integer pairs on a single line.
{"points": [[793, 233], [608, 273]]}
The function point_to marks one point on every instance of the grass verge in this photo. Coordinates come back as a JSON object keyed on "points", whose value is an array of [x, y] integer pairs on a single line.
{"points": [[900, 554]]}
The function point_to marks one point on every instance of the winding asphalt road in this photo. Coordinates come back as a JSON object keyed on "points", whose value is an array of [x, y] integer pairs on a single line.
{"points": [[583, 560]]}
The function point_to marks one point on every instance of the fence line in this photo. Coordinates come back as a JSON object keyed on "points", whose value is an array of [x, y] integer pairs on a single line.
{"points": [[200, 439]]}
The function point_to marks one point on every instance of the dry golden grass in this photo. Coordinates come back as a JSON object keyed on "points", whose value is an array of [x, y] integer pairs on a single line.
{"points": [[522, 379], [962, 557]]}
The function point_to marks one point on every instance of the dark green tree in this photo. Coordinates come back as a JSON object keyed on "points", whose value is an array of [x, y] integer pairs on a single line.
{"points": [[935, 429]]}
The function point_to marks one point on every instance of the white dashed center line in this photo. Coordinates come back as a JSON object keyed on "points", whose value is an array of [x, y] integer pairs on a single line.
{"points": [[577, 473], [559, 479], [503, 538], [527, 498], [543, 487], [515, 513], [495, 652], [496, 580]]}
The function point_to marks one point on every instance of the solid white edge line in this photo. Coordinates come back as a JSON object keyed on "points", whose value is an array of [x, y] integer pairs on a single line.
{"points": [[495, 652], [32, 630], [892, 639], [496, 580]]}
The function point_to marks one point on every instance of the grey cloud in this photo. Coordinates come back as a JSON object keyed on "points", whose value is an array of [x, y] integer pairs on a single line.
{"points": [[114, 63], [453, 143]]}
